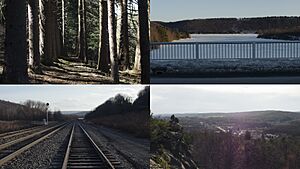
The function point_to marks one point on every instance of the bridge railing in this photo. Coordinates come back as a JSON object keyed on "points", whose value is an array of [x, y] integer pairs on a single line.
{"points": [[224, 50]]}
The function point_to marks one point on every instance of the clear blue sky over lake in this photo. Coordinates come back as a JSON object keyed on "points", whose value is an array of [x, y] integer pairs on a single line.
{"points": [[173, 10]]}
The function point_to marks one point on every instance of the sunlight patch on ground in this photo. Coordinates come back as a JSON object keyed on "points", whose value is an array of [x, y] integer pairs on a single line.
{"points": [[72, 72]]}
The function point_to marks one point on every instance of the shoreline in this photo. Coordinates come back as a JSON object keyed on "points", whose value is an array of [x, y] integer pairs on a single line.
{"points": [[258, 36], [225, 68], [195, 36], [279, 37], [284, 37]]}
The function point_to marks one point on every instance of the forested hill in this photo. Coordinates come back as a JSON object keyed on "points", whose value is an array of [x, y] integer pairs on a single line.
{"points": [[121, 113], [170, 145], [13, 111], [253, 116], [27, 111], [160, 33], [234, 25]]}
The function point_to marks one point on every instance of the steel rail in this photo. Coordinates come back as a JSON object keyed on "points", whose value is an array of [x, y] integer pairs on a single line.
{"points": [[17, 131], [20, 133], [102, 155], [79, 150], [26, 147], [65, 163], [5, 145]]}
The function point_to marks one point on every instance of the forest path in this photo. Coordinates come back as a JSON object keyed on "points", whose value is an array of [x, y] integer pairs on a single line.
{"points": [[74, 72]]}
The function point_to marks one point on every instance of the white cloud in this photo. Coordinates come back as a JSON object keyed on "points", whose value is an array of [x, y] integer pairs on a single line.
{"points": [[68, 97], [223, 98]]}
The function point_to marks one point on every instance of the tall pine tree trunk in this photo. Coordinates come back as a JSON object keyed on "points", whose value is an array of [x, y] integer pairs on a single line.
{"points": [[42, 20], [124, 41], [58, 29], [79, 28], [143, 8], [82, 45], [49, 54], [84, 38], [52, 39], [33, 22], [15, 70], [113, 41], [103, 53], [63, 49], [63, 22], [137, 59]]}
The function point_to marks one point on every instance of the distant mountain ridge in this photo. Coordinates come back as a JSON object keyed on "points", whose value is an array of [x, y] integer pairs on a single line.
{"points": [[75, 112], [266, 115], [234, 25]]}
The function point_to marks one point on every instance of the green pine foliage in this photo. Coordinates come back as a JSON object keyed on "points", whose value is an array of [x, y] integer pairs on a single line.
{"points": [[71, 26], [92, 26]]}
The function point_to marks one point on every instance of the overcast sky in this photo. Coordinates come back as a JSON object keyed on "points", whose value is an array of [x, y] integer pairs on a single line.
{"points": [[66, 97], [168, 99], [173, 10]]}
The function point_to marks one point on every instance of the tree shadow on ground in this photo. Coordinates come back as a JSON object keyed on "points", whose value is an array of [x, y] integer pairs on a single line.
{"points": [[72, 71]]}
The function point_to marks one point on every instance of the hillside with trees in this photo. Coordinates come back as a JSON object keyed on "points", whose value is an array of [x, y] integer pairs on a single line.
{"points": [[160, 33], [233, 146], [235, 25], [15, 116], [28, 111], [12, 111], [170, 145], [120, 112], [283, 34], [225, 150], [84, 41]]}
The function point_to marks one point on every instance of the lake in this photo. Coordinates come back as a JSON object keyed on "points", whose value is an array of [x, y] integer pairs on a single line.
{"points": [[225, 46]]}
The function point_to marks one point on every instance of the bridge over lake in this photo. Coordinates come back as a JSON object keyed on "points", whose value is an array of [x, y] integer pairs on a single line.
{"points": [[225, 50]]}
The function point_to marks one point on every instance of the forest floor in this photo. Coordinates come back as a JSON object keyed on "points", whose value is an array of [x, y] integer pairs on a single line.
{"points": [[71, 71]]}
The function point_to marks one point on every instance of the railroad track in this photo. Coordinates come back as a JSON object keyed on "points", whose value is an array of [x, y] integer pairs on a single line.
{"points": [[7, 137], [13, 133], [82, 152], [10, 150]]}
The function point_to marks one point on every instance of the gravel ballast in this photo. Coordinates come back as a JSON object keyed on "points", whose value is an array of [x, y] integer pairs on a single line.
{"points": [[8, 139], [132, 152], [40, 155]]}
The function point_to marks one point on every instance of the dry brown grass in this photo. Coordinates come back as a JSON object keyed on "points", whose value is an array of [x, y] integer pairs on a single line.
{"points": [[7, 126], [136, 123]]}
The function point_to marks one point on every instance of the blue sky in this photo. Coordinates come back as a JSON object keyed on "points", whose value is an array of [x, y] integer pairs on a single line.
{"points": [[166, 99], [67, 97], [173, 10]]}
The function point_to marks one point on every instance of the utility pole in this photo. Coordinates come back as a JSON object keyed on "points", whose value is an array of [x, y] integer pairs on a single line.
{"points": [[47, 115]]}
